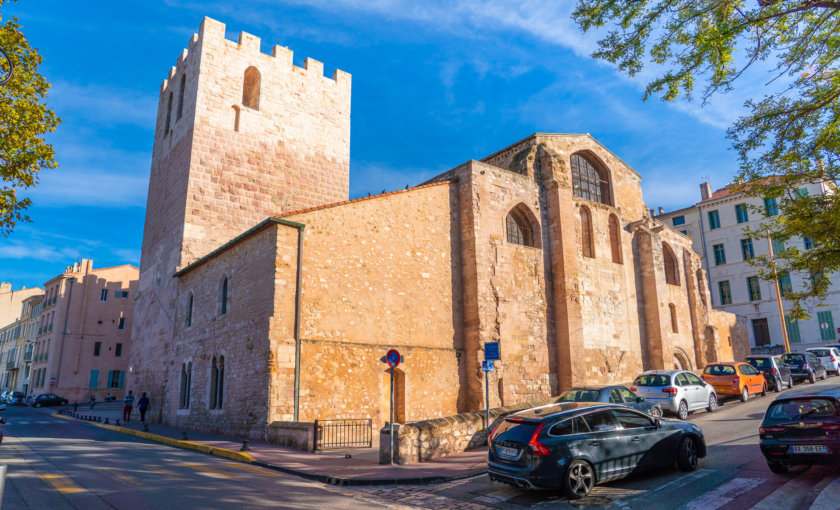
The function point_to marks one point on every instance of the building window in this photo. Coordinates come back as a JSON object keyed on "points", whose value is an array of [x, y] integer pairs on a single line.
{"points": [[792, 326], [684, 232], [181, 98], [785, 286], [714, 220], [678, 220], [223, 296], [747, 249], [118, 350], [826, 322], [590, 181], [672, 271], [519, 228], [741, 213], [251, 88], [720, 254], [186, 381], [121, 294], [97, 347], [673, 309], [587, 246], [778, 246], [94, 379], [116, 378], [770, 207], [615, 239], [753, 288], [189, 310], [168, 116], [103, 296], [802, 193], [217, 382], [725, 293], [121, 323], [808, 242]]}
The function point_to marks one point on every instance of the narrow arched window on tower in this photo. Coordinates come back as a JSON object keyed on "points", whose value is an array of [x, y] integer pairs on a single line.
{"points": [[223, 297], [672, 271], [168, 115], [251, 88], [615, 239], [181, 99], [189, 310], [586, 233]]}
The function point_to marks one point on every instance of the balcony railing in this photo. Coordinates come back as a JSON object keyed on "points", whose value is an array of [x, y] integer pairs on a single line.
{"points": [[11, 365]]}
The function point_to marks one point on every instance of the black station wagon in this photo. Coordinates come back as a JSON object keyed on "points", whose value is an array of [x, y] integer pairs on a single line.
{"points": [[575, 445]]}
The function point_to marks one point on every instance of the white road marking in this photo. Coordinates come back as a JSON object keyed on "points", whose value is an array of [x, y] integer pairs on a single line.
{"points": [[724, 494]]}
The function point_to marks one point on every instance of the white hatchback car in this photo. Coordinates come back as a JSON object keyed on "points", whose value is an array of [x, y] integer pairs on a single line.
{"points": [[676, 391], [829, 357]]}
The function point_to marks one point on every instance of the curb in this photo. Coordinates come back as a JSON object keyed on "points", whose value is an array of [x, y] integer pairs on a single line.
{"points": [[248, 459]]}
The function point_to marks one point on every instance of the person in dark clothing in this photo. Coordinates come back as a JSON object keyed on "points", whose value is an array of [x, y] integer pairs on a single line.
{"points": [[143, 406]]}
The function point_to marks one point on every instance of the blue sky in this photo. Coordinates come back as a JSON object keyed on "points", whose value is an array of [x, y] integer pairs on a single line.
{"points": [[434, 84]]}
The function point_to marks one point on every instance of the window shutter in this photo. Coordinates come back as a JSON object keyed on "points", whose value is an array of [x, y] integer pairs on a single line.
{"points": [[94, 378], [122, 377]]}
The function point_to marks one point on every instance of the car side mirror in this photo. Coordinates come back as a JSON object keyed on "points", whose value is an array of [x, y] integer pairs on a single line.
{"points": [[640, 400], [658, 423]]}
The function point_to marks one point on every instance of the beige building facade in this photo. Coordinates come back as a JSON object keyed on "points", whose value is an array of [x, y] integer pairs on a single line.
{"points": [[16, 345], [84, 330], [267, 296]]}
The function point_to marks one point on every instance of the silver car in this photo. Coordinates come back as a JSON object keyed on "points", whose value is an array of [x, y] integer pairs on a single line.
{"points": [[676, 391], [829, 357]]}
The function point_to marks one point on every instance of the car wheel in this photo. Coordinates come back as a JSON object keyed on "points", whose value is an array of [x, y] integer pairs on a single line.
{"points": [[37, 404], [779, 469], [763, 390], [682, 413], [778, 385], [712, 403], [812, 378], [745, 394], [578, 480], [825, 374], [790, 382], [656, 412], [64, 402], [687, 454]]}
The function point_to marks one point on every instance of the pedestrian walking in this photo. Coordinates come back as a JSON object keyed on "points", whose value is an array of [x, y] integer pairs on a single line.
{"points": [[92, 402], [143, 406], [129, 405]]}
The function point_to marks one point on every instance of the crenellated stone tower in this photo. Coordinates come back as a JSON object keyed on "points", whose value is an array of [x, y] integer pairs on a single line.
{"points": [[240, 136]]}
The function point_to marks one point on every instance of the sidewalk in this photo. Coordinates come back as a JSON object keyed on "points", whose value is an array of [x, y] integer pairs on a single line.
{"points": [[356, 466]]}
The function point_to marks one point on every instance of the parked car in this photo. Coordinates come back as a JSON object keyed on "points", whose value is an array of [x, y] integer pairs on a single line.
{"points": [[676, 391], [738, 379], [612, 395], [828, 356], [4, 397], [804, 366], [18, 399], [802, 430], [775, 373], [49, 399], [576, 445]]}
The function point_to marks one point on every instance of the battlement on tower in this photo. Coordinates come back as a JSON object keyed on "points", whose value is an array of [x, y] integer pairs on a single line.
{"points": [[212, 33]]}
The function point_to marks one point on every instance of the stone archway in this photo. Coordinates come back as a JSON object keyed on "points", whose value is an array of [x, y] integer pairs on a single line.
{"points": [[681, 360]]}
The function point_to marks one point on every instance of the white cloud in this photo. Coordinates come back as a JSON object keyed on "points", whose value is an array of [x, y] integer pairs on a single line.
{"points": [[103, 105], [97, 188], [36, 251], [128, 256]]}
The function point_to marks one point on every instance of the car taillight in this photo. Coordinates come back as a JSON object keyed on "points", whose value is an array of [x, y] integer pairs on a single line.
{"points": [[806, 367], [672, 392], [538, 448], [832, 359], [493, 433], [736, 381], [772, 371], [832, 426], [633, 388], [770, 430]]}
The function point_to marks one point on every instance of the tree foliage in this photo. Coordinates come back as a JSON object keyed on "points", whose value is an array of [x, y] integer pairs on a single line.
{"points": [[786, 138], [24, 122]]}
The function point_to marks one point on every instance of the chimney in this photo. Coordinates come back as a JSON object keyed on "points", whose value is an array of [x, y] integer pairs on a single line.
{"points": [[661, 210], [705, 190]]}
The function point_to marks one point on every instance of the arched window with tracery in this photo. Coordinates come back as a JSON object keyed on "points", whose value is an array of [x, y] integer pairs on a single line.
{"points": [[586, 241], [615, 239], [251, 88], [590, 180], [672, 272], [518, 228]]}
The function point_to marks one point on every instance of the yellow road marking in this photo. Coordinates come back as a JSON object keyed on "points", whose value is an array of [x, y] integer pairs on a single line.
{"points": [[252, 469], [62, 484], [210, 471], [130, 480]]}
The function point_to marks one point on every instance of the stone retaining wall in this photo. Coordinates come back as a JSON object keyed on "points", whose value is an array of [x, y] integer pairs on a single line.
{"points": [[300, 435]]}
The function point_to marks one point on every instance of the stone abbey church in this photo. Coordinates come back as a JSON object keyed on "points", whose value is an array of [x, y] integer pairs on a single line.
{"points": [[267, 296]]}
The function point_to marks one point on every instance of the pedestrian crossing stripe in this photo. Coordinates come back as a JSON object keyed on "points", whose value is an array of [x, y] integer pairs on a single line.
{"points": [[62, 484]]}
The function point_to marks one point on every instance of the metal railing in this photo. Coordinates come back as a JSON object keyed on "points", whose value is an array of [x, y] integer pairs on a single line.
{"points": [[353, 433]]}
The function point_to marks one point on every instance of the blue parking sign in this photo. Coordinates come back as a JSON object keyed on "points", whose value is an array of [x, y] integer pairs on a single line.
{"points": [[487, 366]]}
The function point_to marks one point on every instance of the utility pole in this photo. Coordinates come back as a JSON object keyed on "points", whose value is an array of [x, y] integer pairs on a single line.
{"points": [[778, 293]]}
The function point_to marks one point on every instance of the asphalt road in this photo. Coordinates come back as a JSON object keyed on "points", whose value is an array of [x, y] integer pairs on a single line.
{"points": [[61, 464]]}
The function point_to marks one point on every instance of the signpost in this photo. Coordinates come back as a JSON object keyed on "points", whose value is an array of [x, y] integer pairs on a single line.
{"points": [[392, 358], [491, 353]]}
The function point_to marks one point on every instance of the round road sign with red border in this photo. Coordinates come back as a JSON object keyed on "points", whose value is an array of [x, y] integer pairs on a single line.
{"points": [[393, 358]]}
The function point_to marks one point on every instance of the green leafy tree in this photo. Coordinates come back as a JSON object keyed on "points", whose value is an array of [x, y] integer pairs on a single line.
{"points": [[786, 138], [24, 122]]}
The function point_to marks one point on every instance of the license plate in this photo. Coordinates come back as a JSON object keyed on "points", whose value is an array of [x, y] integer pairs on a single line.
{"points": [[510, 453], [808, 448], [721, 389]]}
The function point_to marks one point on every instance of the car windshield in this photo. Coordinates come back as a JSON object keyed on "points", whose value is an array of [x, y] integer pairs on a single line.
{"points": [[802, 408], [580, 396], [719, 370], [652, 380], [823, 353], [793, 358], [513, 429], [760, 363]]}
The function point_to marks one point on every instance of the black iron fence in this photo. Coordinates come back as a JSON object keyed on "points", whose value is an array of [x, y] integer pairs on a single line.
{"points": [[331, 434]]}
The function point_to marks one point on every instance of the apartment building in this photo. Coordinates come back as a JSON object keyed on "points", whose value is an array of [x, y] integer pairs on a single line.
{"points": [[83, 332], [16, 343], [716, 225]]}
